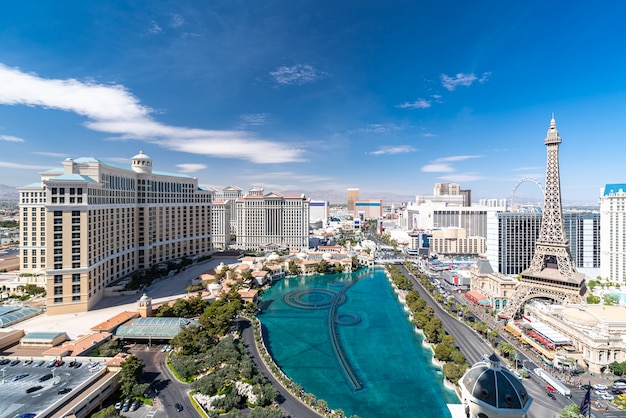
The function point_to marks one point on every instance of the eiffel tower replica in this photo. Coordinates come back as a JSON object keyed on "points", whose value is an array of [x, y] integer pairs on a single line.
{"points": [[551, 274]]}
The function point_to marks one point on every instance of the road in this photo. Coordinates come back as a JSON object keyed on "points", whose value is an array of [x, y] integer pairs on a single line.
{"points": [[474, 347], [291, 406]]}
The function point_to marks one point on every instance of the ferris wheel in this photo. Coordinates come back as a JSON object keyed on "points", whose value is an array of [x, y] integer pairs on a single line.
{"points": [[524, 180]]}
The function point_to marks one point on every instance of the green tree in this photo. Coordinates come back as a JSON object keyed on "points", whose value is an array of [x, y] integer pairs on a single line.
{"points": [[108, 412], [293, 268], [493, 334], [570, 411], [507, 349], [453, 372], [610, 299], [131, 371], [593, 299]]}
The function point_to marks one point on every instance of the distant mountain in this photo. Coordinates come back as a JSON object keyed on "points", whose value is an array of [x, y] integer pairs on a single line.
{"points": [[8, 193], [341, 196]]}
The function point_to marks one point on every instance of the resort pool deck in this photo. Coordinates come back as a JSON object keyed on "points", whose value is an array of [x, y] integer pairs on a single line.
{"points": [[346, 339]]}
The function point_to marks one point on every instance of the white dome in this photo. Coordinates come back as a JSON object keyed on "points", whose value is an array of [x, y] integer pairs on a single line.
{"points": [[272, 257], [215, 286], [141, 156], [327, 256], [301, 256]]}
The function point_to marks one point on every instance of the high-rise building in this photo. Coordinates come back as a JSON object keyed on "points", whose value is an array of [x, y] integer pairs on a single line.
{"points": [[446, 189], [353, 196], [368, 209], [551, 273], [272, 221], [229, 196], [319, 210], [90, 223], [613, 224], [511, 238]]}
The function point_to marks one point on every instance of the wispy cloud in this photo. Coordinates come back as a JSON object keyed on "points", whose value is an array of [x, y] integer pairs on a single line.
{"points": [[443, 165], [114, 110], [375, 128], [154, 28], [52, 154], [176, 21], [9, 138], [19, 166], [191, 167], [461, 79], [297, 74], [462, 177], [398, 149], [418, 104], [428, 134], [252, 119]]}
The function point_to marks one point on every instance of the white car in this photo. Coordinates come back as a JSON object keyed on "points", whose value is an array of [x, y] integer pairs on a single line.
{"points": [[601, 392], [607, 397], [598, 386]]}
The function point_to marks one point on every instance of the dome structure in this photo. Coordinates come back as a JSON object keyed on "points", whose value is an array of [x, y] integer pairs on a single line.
{"points": [[490, 390], [141, 163]]}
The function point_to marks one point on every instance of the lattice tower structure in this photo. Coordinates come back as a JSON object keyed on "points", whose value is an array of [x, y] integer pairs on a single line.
{"points": [[551, 273]]}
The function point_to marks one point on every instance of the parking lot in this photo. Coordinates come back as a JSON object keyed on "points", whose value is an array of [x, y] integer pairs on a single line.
{"points": [[30, 386]]}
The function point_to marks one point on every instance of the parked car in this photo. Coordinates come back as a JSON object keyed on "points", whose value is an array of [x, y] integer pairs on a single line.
{"points": [[4, 361], [599, 386], [126, 405], [14, 363], [27, 362], [34, 389], [64, 391], [607, 397], [45, 377], [19, 376], [38, 363], [118, 405], [135, 405], [51, 363], [178, 407], [601, 392]]}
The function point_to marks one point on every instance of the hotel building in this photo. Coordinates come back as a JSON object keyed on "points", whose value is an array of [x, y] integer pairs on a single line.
{"points": [[91, 223], [353, 196], [272, 221], [613, 224]]}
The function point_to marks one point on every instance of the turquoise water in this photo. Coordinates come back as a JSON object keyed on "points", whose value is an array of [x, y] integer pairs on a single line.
{"points": [[368, 361]]}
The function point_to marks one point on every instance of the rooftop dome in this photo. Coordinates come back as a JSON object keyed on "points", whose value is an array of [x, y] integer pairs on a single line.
{"points": [[141, 156], [579, 315], [144, 298], [492, 385]]}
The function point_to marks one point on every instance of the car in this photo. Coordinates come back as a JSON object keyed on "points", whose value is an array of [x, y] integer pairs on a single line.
{"points": [[4, 361], [51, 363], [620, 381], [136, 403], [14, 363], [45, 377], [71, 364], [38, 363], [607, 397], [126, 405], [585, 387], [27, 362], [64, 391], [551, 395], [27, 416], [550, 389], [178, 407], [601, 392], [34, 389], [19, 376], [59, 363], [77, 364], [599, 386], [118, 405]]}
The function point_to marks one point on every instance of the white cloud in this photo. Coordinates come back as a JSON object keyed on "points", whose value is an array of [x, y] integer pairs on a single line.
{"points": [[428, 134], [191, 167], [155, 28], [442, 165], [375, 128], [418, 104], [297, 74], [398, 149], [31, 167], [253, 119], [461, 79], [113, 109], [9, 138], [176, 20], [51, 154], [462, 177], [437, 168]]}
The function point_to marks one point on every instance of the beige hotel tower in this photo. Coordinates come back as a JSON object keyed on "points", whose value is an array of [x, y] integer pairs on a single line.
{"points": [[91, 223]]}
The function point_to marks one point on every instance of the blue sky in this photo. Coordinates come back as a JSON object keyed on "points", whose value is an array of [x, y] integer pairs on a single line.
{"points": [[319, 95]]}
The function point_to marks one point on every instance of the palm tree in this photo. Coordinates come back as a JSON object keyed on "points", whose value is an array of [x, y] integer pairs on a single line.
{"points": [[507, 349]]}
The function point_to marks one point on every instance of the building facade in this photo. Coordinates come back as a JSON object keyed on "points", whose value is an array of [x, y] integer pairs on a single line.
{"points": [[613, 224], [353, 196], [272, 221], [496, 287], [454, 241], [511, 238], [90, 224], [319, 210], [368, 209]]}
